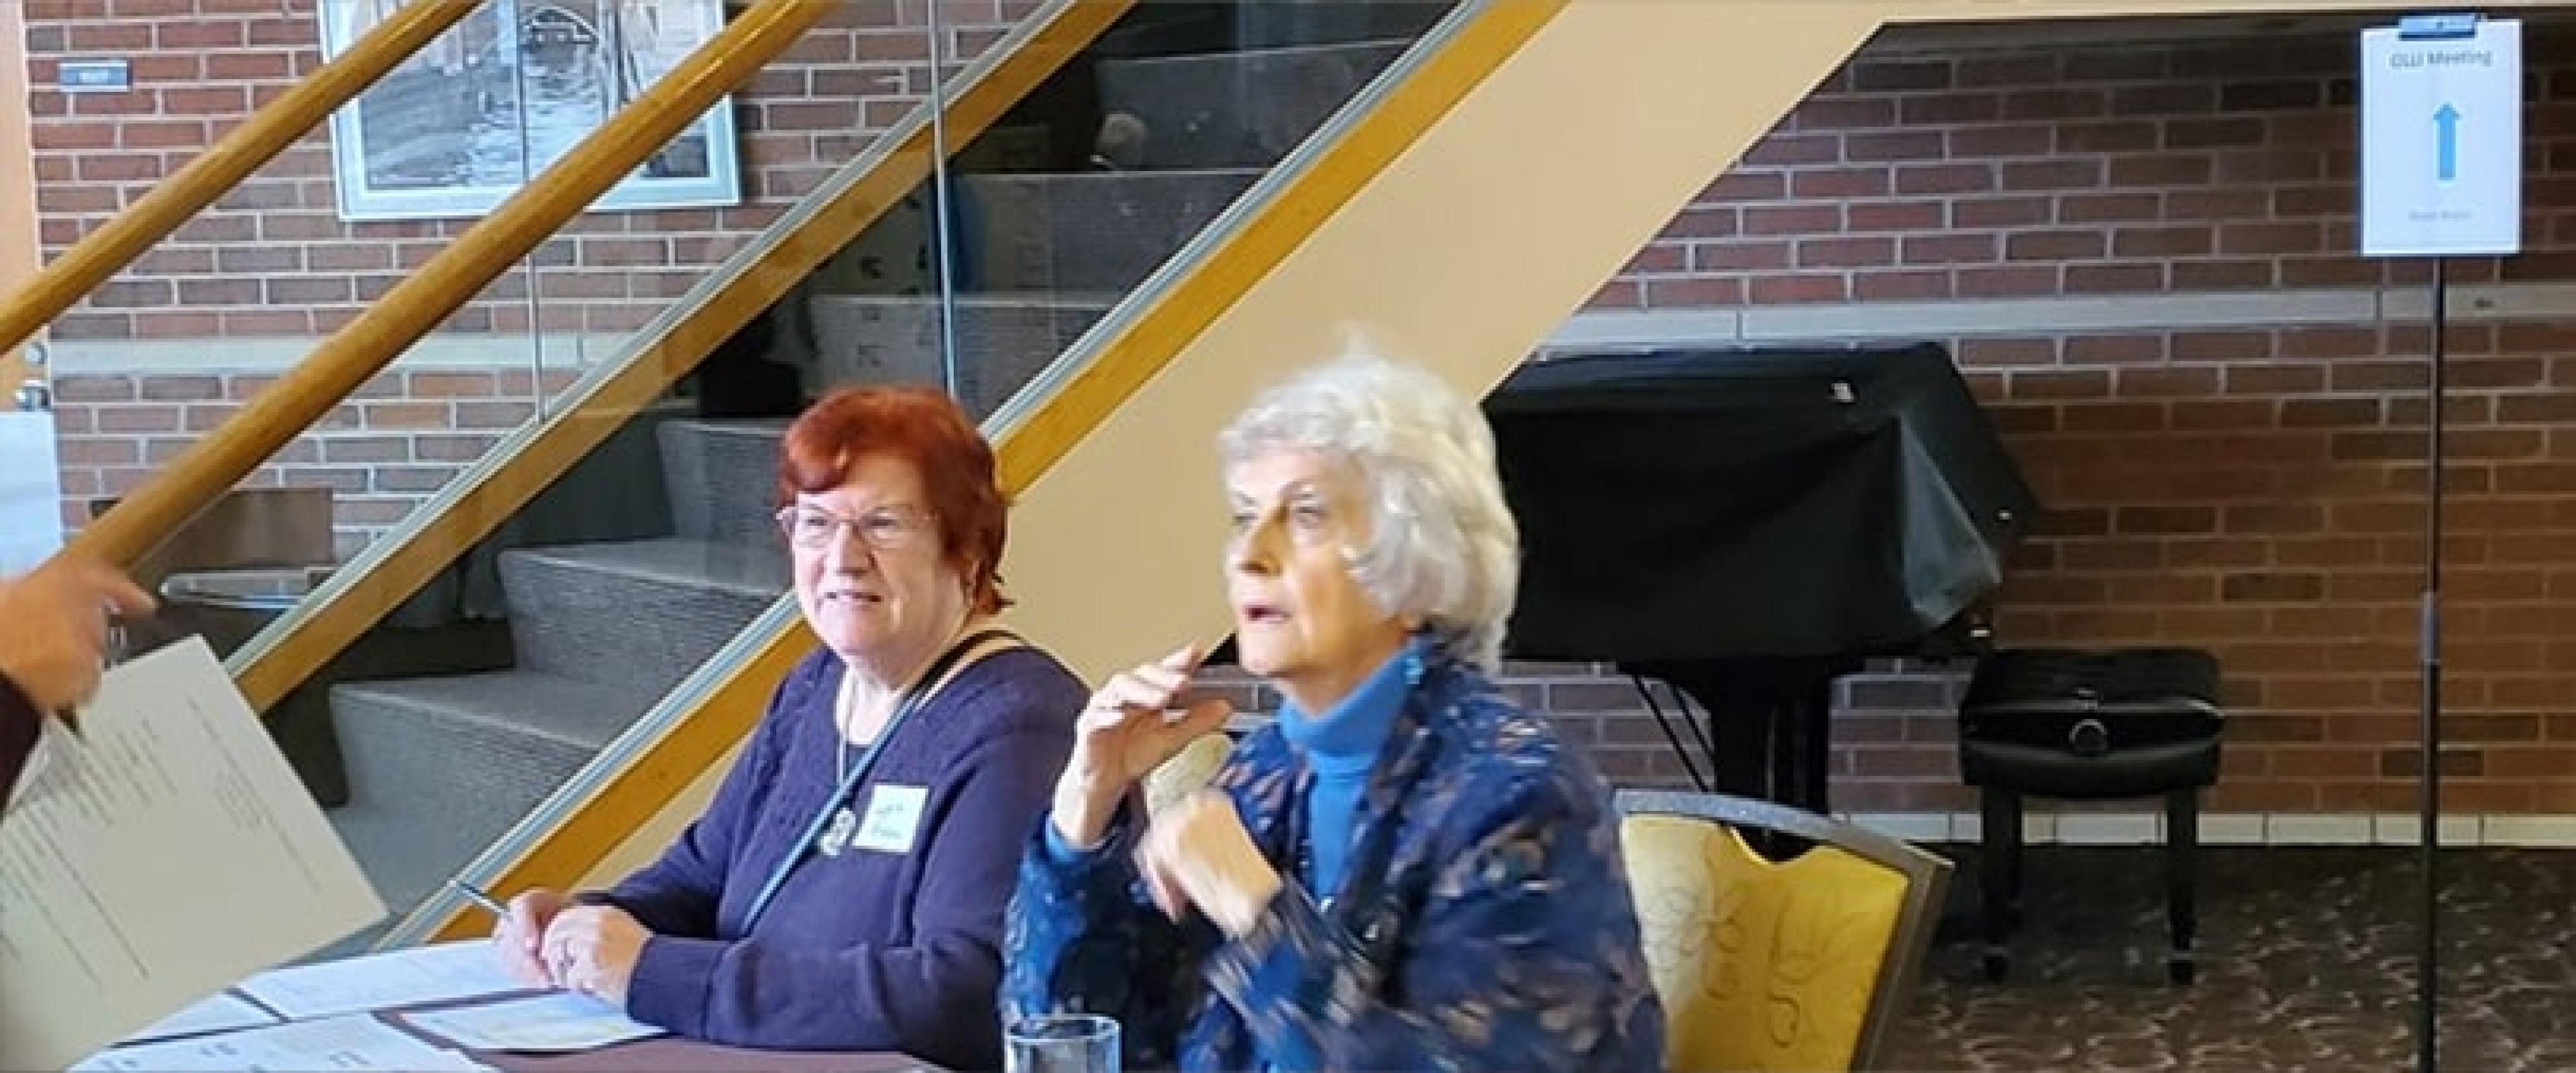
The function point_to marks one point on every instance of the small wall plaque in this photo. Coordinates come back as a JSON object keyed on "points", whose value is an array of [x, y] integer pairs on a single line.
{"points": [[93, 76]]}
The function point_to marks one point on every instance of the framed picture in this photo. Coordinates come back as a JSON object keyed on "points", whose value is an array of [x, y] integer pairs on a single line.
{"points": [[494, 101]]}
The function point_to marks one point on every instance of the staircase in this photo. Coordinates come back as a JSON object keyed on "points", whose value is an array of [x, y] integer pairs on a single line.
{"points": [[438, 766], [1199, 101]]}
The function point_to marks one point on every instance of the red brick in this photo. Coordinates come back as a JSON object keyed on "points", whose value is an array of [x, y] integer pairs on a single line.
{"points": [[2054, 245], [1895, 216], [2243, 275]]}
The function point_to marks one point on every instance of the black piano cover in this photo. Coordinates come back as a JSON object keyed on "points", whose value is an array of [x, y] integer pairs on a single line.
{"points": [[1753, 503]]}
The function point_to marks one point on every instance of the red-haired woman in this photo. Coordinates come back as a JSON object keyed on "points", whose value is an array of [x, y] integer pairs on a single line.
{"points": [[845, 888]]}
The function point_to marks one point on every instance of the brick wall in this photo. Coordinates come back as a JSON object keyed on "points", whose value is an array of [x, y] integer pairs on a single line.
{"points": [[394, 443], [272, 262], [272, 258], [2252, 487]]}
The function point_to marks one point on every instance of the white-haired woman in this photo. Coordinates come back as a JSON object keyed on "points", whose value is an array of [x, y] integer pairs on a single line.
{"points": [[1403, 871]]}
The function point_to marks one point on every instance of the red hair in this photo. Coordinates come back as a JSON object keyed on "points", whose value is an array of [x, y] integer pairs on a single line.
{"points": [[924, 427]]}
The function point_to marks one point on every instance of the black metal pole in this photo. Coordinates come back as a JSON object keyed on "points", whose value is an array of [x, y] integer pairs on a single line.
{"points": [[2428, 959]]}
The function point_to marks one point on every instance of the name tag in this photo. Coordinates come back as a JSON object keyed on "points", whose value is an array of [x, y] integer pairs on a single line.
{"points": [[893, 817]]}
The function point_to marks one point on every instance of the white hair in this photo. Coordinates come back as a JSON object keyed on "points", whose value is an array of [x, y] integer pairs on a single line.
{"points": [[1443, 546]]}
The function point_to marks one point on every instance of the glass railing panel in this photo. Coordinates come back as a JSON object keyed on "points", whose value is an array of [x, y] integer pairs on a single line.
{"points": [[806, 116], [1093, 182]]}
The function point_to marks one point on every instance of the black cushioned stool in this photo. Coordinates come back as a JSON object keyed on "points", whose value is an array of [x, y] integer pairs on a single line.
{"points": [[2079, 725]]}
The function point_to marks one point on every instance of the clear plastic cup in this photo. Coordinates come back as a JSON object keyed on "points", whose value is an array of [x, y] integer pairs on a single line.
{"points": [[1061, 1043]]}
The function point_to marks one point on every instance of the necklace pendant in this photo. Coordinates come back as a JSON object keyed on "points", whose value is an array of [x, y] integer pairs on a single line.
{"points": [[836, 837]]}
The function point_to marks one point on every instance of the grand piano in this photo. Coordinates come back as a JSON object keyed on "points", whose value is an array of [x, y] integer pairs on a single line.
{"points": [[1747, 525]]}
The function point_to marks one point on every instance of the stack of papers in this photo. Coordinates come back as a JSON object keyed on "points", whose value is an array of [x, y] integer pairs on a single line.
{"points": [[559, 1021], [221, 1012], [409, 977], [357, 1041], [322, 1016]]}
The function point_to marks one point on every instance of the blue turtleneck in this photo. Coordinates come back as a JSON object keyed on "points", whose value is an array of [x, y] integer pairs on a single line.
{"points": [[1342, 744]]}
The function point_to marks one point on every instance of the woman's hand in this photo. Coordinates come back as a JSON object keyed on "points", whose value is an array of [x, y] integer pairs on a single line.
{"points": [[520, 930], [1197, 854], [53, 627], [1123, 736], [592, 949]]}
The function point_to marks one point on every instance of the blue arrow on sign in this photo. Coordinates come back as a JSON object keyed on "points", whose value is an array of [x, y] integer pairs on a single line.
{"points": [[2446, 138]]}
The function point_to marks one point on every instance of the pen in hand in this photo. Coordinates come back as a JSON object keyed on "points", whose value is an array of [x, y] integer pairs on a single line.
{"points": [[489, 903]]}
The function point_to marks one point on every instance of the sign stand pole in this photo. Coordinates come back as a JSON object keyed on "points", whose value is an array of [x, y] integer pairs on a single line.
{"points": [[2428, 959], [2441, 177]]}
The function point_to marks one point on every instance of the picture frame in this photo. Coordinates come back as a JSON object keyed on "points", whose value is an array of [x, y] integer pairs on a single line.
{"points": [[464, 123]]}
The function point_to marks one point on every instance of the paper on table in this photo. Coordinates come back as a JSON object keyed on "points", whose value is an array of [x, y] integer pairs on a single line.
{"points": [[353, 1042], [463, 969], [218, 1012], [560, 1021], [177, 853]]}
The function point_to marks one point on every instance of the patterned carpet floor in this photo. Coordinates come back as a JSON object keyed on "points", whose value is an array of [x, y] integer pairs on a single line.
{"points": [[2307, 961]]}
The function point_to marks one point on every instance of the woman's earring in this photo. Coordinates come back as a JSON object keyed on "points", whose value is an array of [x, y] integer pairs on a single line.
{"points": [[1412, 666]]}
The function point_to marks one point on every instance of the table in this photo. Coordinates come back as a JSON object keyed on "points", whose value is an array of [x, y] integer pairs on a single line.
{"points": [[665, 1053], [661, 1053]]}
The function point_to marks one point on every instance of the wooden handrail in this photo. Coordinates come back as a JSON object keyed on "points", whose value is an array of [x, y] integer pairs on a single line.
{"points": [[390, 571], [1116, 368], [174, 201], [417, 304]]}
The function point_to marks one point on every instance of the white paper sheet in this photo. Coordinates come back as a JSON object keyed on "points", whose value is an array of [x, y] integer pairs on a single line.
{"points": [[559, 1021], [354, 1042], [179, 853], [463, 969], [31, 489], [218, 1012]]}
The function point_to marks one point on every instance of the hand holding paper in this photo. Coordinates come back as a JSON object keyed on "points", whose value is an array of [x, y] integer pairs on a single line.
{"points": [[53, 627], [150, 871]]}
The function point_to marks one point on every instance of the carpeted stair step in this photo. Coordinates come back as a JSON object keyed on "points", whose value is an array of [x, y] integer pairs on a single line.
{"points": [[1092, 233], [439, 767], [637, 614], [723, 479], [1231, 110], [1003, 341]]}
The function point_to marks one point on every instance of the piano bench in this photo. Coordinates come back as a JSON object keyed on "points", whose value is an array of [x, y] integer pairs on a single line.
{"points": [[2084, 725]]}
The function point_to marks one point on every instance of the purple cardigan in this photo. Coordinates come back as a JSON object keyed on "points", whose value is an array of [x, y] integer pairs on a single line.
{"points": [[875, 948]]}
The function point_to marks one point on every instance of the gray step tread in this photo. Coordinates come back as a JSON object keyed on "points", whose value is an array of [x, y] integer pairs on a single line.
{"points": [[1132, 184], [1167, 175], [1272, 52], [675, 561], [1050, 299], [766, 428], [580, 714]]}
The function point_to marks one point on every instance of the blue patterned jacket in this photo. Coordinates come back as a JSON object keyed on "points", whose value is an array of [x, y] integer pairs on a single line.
{"points": [[1486, 923]]}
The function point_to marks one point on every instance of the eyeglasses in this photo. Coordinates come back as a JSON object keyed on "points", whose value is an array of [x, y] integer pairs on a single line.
{"points": [[884, 529]]}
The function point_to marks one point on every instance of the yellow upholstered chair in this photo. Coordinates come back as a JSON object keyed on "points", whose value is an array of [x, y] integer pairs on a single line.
{"points": [[1187, 771], [1799, 964]]}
